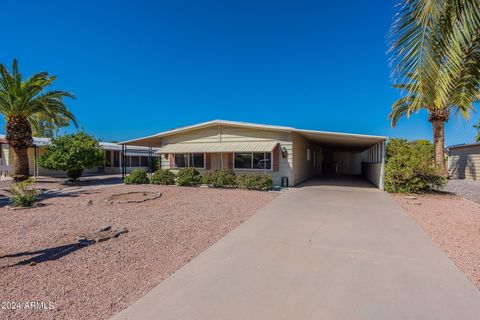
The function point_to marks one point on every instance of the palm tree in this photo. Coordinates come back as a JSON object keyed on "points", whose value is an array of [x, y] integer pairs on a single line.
{"points": [[45, 126], [435, 53], [477, 127], [22, 102]]}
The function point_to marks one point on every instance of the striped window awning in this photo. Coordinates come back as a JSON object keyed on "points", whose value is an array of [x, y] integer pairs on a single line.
{"points": [[218, 147]]}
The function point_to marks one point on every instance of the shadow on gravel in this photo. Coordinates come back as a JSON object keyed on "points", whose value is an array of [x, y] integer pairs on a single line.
{"points": [[47, 194], [49, 254]]}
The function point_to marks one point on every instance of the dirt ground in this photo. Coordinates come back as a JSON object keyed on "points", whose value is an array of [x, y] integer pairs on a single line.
{"points": [[453, 223], [41, 262]]}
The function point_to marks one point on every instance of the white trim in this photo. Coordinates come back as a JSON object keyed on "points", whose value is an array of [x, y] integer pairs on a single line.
{"points": [[253, 169], [251, 126]]}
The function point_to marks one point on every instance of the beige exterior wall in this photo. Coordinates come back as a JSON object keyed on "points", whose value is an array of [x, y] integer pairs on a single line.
{"points": [[464, 163], [304, 168], [234, 134]]}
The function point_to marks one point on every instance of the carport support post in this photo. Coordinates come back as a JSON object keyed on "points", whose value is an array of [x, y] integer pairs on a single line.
{"points": [[123, 161], [382, 168], [35, 165], [150, 167]]}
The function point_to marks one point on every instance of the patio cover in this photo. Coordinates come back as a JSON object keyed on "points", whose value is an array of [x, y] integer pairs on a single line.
{"points": [[218, 147]]}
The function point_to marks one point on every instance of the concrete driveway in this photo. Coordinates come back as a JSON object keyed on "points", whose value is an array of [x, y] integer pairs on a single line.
{"points": [[330, 249]]}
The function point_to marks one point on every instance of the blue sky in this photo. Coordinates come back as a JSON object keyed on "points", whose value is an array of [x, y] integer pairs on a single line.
{"points": [[140, 67]]}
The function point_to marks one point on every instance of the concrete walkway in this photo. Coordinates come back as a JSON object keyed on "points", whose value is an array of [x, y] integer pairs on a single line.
{"points": [[328, 250]]}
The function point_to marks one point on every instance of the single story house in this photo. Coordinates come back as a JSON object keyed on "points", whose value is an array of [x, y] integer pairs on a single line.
{"points": [[135, 157], [464, 161], [289, 155]]}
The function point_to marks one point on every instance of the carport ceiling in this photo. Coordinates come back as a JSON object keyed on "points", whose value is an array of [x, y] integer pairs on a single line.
{"points": [[344, 141]]}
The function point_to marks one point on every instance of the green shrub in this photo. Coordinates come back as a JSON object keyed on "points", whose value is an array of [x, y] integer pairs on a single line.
{"points": [[258, 181], [137, 176], [72, 153], [23, 193], [224, 178], [207, 178], [155, 166], [163, 176], [189, 177], [409, 167]]}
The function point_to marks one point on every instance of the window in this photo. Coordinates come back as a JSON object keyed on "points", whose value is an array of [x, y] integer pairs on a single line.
{"points": [[253, 161], [308, 154], [196, 160], [135, 161], [143, 161], [116, 159], [108, 158], [243, 161]]}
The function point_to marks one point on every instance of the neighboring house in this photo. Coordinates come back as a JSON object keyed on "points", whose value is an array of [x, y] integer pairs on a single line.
{"points": [[136, 157], [464, 161], [4, 154], [290, 156]]}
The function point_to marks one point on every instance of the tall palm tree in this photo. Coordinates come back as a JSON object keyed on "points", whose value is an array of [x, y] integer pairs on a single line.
{"points": [[435, 53], [45, 126], [22, 102]]}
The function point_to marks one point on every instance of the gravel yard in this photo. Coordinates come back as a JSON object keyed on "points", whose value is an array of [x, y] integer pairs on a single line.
{"points": [[469, 189], [41, 262], [453, 223]]}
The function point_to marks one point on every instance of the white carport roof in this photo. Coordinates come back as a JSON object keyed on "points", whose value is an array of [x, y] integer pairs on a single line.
{"points": [[325, 138], [341, 140]]}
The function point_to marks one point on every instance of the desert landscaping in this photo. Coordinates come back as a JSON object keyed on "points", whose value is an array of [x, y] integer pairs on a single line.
{"points": [[452, 222], [41, 258]]}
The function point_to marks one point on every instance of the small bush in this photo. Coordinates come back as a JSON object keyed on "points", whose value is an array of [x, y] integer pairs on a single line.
{"points": [[258, 181], [207, 178], [224, 178], [409, 167], [23, 193], [189, 177], [137, 176], [163, 176], [155, 165]]}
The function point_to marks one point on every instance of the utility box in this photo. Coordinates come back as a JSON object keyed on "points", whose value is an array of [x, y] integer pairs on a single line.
{"points": [[284, 182]]}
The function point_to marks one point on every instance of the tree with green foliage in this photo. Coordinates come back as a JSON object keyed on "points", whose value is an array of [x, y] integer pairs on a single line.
{"points": [[24, 102], [435, 53], [409, 167], [72, 153]]}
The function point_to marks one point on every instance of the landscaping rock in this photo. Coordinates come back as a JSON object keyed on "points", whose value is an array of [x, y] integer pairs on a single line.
{"points": [[105, 228], [104, 238], [120, 231]]}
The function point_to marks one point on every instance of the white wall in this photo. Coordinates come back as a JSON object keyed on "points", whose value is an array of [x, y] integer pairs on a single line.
{"points": [[373, 164]]}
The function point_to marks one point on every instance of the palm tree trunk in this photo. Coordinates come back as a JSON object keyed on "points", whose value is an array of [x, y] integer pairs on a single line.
{"points": [[439, 146], [19, 137], [21, 170]]}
